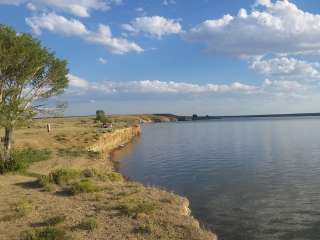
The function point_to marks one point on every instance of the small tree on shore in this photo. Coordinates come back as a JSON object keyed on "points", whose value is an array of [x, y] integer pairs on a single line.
{"points": [[29, 75], [100, 116]]}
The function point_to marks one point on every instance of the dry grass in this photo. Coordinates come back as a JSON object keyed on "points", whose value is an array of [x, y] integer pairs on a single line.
{"points": [[104, 205]]}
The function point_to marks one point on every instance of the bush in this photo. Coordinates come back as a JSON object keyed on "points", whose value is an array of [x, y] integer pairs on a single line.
{"points": [[46, 233], [88, 224], [115, 177], [21, 159], [23, 208], [63, 176], [133, 209], [84, 186], [90, 172]]}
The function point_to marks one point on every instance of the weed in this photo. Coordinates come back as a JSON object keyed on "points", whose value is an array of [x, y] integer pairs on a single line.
{"points": [[22, 208], [88, 224], [133, 209], [63, 176], [21, 159], [115, 177], [46, 233], [89, 172], [84, 186]]}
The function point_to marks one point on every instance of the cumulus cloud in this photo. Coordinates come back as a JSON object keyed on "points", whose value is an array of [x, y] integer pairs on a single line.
{"points": [[284, 68], [72, 27], [56, 23], [156, 86], [155, 26], [80, 8], [271, 27], [77, 82], [283, 86]]}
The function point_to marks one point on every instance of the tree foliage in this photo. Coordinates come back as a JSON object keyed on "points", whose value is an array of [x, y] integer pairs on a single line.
{"points": [[29, 75]]}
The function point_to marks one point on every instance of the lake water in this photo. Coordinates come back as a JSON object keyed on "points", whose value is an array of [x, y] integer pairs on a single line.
{"points": [[246, 179]]}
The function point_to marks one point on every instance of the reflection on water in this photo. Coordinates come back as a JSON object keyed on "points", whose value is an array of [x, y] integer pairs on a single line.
{"points": [[246, 179]]}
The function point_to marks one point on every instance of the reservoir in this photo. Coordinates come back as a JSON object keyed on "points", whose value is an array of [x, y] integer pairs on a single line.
{"points": [[246, 179]]}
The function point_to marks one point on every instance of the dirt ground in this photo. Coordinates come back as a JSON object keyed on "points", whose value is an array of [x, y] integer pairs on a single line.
{"points": [[121, 209]]}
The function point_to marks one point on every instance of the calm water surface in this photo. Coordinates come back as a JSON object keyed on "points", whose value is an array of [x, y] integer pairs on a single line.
{"points": [[246, 179]]}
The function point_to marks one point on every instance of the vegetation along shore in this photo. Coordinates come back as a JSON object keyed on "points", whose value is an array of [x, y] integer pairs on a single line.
{"points": [[65, 187]]}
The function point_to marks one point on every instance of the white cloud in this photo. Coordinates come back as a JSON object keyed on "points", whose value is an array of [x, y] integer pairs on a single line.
{"points": [[115, 45], [155, 26], [56, 23], [77, 82], [271, 27], [285, 68], [156, 86], [72, 27], [283, 86], [80, 8], [103, 60]]}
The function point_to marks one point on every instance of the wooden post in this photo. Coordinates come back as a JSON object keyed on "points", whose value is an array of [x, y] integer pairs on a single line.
{"points": [[48, 127]]}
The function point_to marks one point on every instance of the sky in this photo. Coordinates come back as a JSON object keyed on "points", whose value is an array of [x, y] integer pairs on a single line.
{"points": [[177, 56]]}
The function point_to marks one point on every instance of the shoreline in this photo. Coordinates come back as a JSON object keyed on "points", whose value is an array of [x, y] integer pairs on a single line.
{"points": [[186, 206], [121, 208]]}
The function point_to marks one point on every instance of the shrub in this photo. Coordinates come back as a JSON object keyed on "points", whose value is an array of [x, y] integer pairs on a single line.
{"points": [[115, 177], [22, 208], [21, 159], [88, 224], [46, 233], [63, 176], [133, 209], [90, 172], [84, 186]]}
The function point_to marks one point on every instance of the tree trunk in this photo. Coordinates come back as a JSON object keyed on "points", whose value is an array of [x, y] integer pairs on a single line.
{"points": [[7, 143]]}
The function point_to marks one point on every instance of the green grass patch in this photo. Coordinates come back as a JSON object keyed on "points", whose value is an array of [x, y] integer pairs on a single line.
{"points": [[115, 177], [71, 152], [21, 159], [84, 186], [133, 208], [63, 176], [22, 208], [46, 233]]}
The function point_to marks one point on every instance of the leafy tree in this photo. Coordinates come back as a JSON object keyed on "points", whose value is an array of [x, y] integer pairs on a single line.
{"points": [[100, 115], [29, 75]]}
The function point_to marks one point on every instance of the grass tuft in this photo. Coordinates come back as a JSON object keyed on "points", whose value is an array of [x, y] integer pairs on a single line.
{"points": [[22, 208], [133, 209], [88, 224], [46, 233], [21, 159], [84, 186], [63, 176]]}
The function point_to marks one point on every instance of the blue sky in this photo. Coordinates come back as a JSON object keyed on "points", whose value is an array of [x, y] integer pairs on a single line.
{"points": [[184, 57]]}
